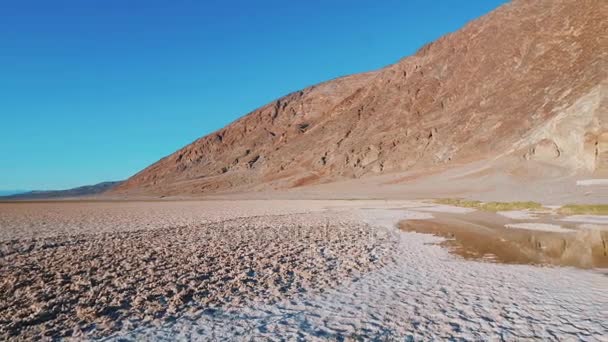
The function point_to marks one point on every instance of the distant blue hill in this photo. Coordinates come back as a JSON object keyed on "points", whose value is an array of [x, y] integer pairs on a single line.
{"points": [[86, 190], [11, 192]]}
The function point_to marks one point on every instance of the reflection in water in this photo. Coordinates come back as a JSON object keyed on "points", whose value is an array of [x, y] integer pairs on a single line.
{"points": [[484, 236]]}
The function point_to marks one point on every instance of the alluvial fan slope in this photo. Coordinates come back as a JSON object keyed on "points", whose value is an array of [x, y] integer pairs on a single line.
{"points": [[528, 78]]}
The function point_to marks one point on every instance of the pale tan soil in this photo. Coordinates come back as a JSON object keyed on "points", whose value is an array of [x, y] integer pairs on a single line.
{"points": [[483, 235], [486, 181], [82, 269]]}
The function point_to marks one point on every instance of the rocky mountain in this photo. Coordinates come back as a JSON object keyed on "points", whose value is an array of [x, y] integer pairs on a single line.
{"points": [[87, 190], [528, 80]]}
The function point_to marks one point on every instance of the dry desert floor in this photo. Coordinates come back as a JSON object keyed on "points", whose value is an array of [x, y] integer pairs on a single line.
{"points": [[293, 269]]}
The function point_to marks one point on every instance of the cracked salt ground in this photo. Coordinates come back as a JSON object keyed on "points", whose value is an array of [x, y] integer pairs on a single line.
{"points": [[423, 293]]}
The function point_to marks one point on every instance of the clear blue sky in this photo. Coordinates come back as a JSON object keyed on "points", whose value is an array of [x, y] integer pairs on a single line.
{"points": [[96, 90]]}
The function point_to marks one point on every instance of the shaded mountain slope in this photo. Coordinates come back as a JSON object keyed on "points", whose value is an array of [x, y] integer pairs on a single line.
{"points": [[528, 79]]}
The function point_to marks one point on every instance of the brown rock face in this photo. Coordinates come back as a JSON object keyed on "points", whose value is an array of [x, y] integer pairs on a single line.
{"points": [[477, 93]]}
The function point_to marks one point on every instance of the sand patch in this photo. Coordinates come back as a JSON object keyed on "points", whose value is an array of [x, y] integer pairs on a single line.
{"points": [[389, 217], [415, 215], [442, 208]]}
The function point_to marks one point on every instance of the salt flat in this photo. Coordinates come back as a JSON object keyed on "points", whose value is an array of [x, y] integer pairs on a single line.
{"points": [[239, 270], [591, 182]]}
